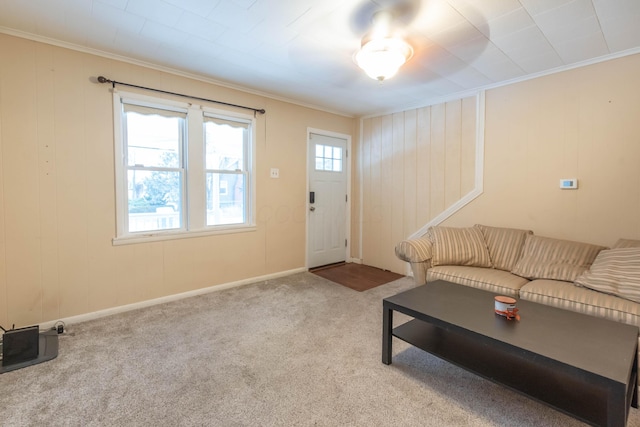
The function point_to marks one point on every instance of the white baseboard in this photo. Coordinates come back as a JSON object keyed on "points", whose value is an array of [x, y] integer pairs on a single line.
{"points": [[148, 303], [355, 260]]}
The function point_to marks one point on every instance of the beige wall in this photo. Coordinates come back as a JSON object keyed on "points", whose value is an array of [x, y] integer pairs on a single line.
{"points": [[582, 123], [57, 212], [413, 165]]}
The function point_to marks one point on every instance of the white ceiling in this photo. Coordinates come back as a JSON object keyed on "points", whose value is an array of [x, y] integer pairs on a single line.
{"points": [[301, 50]]}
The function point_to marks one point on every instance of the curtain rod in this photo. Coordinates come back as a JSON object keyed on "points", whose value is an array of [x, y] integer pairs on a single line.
{"points": [[103, 79]]}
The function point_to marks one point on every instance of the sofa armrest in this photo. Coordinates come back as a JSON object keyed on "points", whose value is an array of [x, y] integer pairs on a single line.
{"points": [[414, 250], [417, 252]]}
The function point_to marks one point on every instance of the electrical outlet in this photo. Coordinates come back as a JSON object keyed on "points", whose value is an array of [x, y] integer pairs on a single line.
{"points": [[275, 173]]}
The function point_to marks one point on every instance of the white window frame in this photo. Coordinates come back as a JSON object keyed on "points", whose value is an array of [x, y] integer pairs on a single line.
{"points": [[194, 194]]}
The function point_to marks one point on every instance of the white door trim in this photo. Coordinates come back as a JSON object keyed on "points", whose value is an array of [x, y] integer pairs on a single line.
{"points": [[306, 194]]}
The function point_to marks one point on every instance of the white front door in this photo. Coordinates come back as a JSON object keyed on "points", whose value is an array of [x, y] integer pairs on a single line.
{"points": [[327, 200]]}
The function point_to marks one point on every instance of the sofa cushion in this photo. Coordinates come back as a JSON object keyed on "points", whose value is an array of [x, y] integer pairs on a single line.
{"points": [[616, 272], [489, 279], [547, 258], [458, 246], [627, 243], [504, 245], [569, 296]]}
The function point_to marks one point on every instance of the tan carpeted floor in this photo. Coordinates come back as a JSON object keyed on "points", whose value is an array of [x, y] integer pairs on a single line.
{"points": [[296, 351]]}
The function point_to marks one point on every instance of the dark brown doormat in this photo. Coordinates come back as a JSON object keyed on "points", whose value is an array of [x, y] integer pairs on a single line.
{"points": [[356, 276]]}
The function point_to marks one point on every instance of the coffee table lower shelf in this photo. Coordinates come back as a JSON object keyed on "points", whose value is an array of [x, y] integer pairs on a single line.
{"points": [[535, 376]]}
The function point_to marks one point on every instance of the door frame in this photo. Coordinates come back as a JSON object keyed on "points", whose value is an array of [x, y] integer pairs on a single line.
{"points": [[349, 200]]}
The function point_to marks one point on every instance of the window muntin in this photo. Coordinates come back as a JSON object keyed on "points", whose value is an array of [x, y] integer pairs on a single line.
{"points": [[168, 183]]}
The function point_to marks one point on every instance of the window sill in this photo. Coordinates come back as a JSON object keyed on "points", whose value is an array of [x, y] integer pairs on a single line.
{"points": [[158, 237]]}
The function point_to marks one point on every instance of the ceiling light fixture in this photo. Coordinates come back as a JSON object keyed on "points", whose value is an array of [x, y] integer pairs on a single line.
{"points": [[381, 55]]}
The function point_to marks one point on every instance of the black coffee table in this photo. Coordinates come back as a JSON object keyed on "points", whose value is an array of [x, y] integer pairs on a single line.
{"points": [[582, 365]]}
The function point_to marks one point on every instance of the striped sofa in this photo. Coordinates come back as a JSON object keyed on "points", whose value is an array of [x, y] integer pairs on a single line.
{"points": [[577, 276]]}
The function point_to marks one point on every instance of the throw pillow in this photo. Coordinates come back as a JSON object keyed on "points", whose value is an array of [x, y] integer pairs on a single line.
{"points": [[504, 245], [616, 272], [626, 243], [458, 246], [547, 258]]}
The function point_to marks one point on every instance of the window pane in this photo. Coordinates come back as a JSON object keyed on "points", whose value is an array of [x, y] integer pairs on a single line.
{"points": [[328, 158], [224, 146], [155, 200], [225, 207], [153, 140]]}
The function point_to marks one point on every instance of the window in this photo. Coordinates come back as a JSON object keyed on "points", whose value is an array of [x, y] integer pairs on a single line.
{"points": [[226, 170], [328, 158], [181, 169]]}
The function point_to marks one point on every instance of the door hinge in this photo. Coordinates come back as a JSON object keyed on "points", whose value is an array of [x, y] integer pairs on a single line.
{"points": [[345, 243], [346, 197]]}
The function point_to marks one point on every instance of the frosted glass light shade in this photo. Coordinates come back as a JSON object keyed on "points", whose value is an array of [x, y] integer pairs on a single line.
{"points": [[382, 58]]}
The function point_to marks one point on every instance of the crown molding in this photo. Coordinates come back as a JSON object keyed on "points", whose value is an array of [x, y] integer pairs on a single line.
{"points": [[473, 92], [169, 70], [205, 79]]}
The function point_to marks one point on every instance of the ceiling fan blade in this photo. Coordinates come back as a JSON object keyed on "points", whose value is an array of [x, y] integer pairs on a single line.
{"points": [[402, 13]]}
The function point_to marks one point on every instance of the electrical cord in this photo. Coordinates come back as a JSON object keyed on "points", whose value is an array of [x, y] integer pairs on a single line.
{"points": [[12, 328]]}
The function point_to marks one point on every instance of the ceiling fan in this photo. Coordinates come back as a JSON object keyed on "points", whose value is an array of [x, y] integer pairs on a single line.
{"points": [[395, 30], [408, 33]]}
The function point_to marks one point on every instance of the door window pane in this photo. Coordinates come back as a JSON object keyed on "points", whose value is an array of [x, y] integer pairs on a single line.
{"points": [[328, 158]]}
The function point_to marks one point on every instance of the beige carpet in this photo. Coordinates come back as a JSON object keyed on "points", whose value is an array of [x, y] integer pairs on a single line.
{"points": [[296, 351]]}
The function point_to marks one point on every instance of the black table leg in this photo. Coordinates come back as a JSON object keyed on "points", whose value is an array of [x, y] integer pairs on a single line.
{"points": [[634, 384], [387, 327]]}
